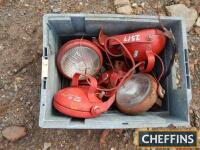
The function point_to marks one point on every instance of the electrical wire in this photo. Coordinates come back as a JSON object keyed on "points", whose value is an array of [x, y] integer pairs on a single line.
{"points": [[170, 35], [162, 66], [121, 82], [128, 73], [102, 48], [125, 49]]}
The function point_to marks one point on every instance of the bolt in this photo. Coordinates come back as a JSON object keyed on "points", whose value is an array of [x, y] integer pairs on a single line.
{"points": [[95, 110]]}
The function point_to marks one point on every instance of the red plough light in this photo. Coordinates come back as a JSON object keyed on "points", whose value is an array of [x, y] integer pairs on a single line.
{"points": [[79, 56], [144, 45], [81, 101]]}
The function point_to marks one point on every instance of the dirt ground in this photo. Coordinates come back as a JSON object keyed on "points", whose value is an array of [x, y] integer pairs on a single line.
{"points": [[20, 71]]}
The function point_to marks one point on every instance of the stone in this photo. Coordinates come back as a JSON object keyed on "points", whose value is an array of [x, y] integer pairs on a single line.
{"points": [[26, 5], [121, 2], [23, 70], [13, 133], [15, 70], [31, 108], [134, 5], [125, 10], [56, 10], [1, 47], [135, 137], [142, 5], [26, 36], [192, 47], [123, 7], [198, 22], [138, 11], [189, 14], [46, 146]]}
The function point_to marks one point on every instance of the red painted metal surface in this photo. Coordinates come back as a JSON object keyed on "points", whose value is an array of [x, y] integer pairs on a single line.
{"points": [[142, 44], [111, 77], [81, 101]]}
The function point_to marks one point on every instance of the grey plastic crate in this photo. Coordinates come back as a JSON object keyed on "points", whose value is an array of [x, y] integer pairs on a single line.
{"points": [[58, 28]]}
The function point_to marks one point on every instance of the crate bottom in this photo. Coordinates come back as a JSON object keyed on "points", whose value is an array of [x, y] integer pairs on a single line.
{"points": [[111, 120]]}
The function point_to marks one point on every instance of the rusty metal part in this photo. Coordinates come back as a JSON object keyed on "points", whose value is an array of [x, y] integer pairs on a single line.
{"points": [[138, 94]]}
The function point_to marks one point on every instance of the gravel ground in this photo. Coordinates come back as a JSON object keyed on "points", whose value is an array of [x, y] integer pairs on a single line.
{"points": [[20, 70]]}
